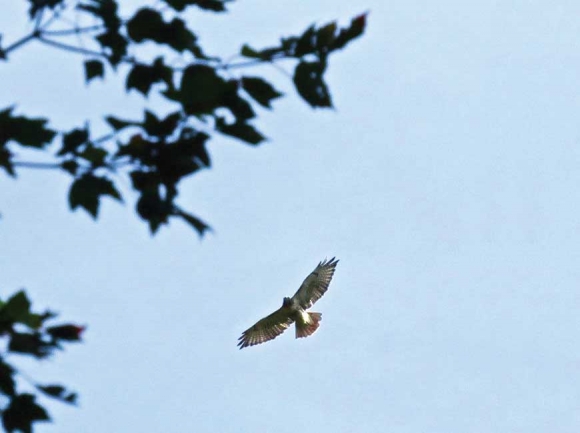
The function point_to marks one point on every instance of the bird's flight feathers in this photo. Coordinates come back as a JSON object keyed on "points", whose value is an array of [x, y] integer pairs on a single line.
{"points": [[316, 284], [266, 329]]}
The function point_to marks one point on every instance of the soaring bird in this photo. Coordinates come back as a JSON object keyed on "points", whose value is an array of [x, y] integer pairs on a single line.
{"points": [[293, 310]]}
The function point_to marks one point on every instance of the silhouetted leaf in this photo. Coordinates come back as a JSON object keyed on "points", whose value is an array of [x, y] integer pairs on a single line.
{"points": [[27, 131], [21, 413], [70, 165], [145, 180], [139, 149], [180, 158], [169, 124], [202, 89], [6, 161], [325, 36], [213, 5], [148, 24], [243, 131], [314, 42], [151, 123], [93, 69], [118, 124], [160, 128], [17, 308], [59, 392], [240, 108], [356, 28], [248, 51], [47, 315], [152, 208], [180, 38], [142, 77], [87, 190], [105, 10], [308, 78], [116, 44], [7, 384], [30, 344], [259, 89], [195, 142], [68, 332], [199, 226], [306, 43], [72, 140], [95, 155], [39, 5], [34, 321], [175, 162]]}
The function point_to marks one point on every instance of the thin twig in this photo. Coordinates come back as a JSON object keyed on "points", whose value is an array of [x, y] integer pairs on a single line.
{"points": [[271, 62], [55, 15], [24, 40], [25, 376], [242, 64], [71, 48], [69, 32], [281, 69], [39, 17], [256, 62], [104, 138]]}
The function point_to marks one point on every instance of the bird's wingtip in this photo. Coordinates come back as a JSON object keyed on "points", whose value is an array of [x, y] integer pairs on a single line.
{"points": [[327, 262]]}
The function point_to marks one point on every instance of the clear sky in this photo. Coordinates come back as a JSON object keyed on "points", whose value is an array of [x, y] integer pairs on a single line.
{"points": [[446, 182]]}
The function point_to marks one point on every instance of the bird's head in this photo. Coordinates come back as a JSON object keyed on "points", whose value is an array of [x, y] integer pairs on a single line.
{"points": [[287, 302]]}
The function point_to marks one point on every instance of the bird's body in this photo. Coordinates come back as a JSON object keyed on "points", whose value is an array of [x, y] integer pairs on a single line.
{"points": [[293, 309], [306, 323]]}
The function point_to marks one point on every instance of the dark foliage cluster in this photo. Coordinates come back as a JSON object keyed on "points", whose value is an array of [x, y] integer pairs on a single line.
{"points": [[27, 333], [210, 96]]}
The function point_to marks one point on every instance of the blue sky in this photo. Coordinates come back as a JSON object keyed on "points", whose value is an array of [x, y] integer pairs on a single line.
{"points": [[446, 182]]}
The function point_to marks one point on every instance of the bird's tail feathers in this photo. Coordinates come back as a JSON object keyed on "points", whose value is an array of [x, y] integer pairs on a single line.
{"points": [[305, 328]]}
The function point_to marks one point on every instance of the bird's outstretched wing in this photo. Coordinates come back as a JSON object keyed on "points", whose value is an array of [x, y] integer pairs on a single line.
{"points": [[266, 329], [316, 284]]}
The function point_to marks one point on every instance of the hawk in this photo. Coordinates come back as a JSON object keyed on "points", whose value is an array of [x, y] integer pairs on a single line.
{"points": [[293, 310]]}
